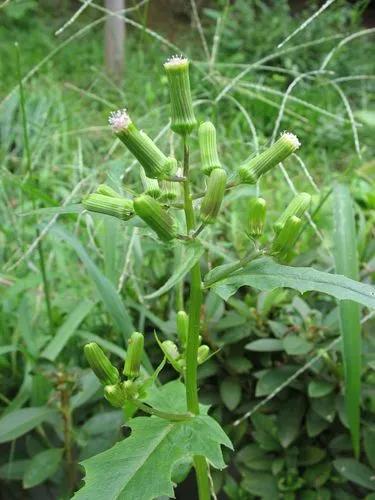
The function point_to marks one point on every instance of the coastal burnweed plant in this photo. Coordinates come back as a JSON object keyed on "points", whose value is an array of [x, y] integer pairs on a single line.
{"points": [[176, 428]]}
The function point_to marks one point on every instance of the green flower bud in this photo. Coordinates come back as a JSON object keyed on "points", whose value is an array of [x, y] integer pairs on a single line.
{"points": [[150, 186], [100, 364], [156, 217], [298, 206], [170, 191], [116, 207], [208, 147], [134, 355], [130, 388], [170, 350], [214, 195], [182, 323], [115, 395], [203, 353], [257, 217], [287, 237], [107, 191], [154, 161], [250, 171], [182, 113]]}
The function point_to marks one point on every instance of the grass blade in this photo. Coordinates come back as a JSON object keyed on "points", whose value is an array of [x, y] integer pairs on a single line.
{"points": [[346, 262]]}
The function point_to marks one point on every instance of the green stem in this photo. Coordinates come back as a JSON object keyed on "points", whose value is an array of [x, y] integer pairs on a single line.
{"points": [[173, 417], [195, 303]]}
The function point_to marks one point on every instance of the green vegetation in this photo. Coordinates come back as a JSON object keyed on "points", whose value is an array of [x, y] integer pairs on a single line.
{"points": [[271, 365]]}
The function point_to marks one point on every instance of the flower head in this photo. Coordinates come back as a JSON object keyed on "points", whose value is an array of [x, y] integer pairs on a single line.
{"points": [[119, 120]]}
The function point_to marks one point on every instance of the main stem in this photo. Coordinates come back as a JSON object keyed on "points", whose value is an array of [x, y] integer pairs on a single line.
{"points": [[195, 303]]}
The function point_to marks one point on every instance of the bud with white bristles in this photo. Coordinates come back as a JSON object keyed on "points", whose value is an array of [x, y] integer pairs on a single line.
{"points": [[250, 171]]}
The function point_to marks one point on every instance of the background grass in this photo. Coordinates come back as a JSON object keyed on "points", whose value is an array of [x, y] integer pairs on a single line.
{"points": [[91, 260]]}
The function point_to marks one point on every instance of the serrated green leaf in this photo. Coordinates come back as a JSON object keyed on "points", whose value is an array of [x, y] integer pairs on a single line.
{"points": [[193, 252], [42, 466], [266, 274], [18, 422], [230, 392], [141, 465], [356, 472]]}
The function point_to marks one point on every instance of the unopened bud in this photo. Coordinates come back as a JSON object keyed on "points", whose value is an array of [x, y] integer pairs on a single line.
{"points": [[170, 350], [107, 191], [115, 395], [287, 236], [203, 353], [182, 113], [297, 207], [182, 323], [170, 190], [208, 147], [100, 364], [214, 195], [257, 217], [134, 355], [250, 171], [130, 388], [115, 206], [150, 186], [152, 159], [156, 217]]}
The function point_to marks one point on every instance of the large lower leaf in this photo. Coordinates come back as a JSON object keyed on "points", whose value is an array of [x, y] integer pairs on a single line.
{"points": [[266, 274], [346, 262], [141, 465], [193, 252]]}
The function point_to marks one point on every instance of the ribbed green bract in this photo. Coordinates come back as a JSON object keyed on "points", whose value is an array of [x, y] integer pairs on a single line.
{"points": [[150, 186], [208, 147], [170, 190], [152, 159], [134, 355], [250, 171], [182, 113], [107, 191], [182, 324], [298, 206], [256, 217], [156, 217], [100, 364], [214, 196], [109, 205], [286, 238]]}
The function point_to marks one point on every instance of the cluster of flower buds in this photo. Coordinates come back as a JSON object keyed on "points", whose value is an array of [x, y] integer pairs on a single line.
{"points": [[288, 226], [250, 171], [256, 217], [118, 391]]}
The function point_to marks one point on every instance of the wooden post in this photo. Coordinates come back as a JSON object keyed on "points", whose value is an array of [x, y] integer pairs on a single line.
{"points": [[115, 41]]}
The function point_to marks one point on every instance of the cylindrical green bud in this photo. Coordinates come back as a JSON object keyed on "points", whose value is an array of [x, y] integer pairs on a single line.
{"points": [[250, 171], [150, 186], [109, 205], [182, 112], [182, 323], [156, 217], [203, 353], [115, 395], [256, 217], [134, 355], [208, 147], [287, 237], [298, 206], [170, 350], [170, 191], [154, 161], [214, 195], [100, 364], [107, 191]]}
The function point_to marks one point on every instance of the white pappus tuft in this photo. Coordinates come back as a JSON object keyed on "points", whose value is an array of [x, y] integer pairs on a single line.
{"points": [[292, 139], [119, 120], [175, 61]]}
